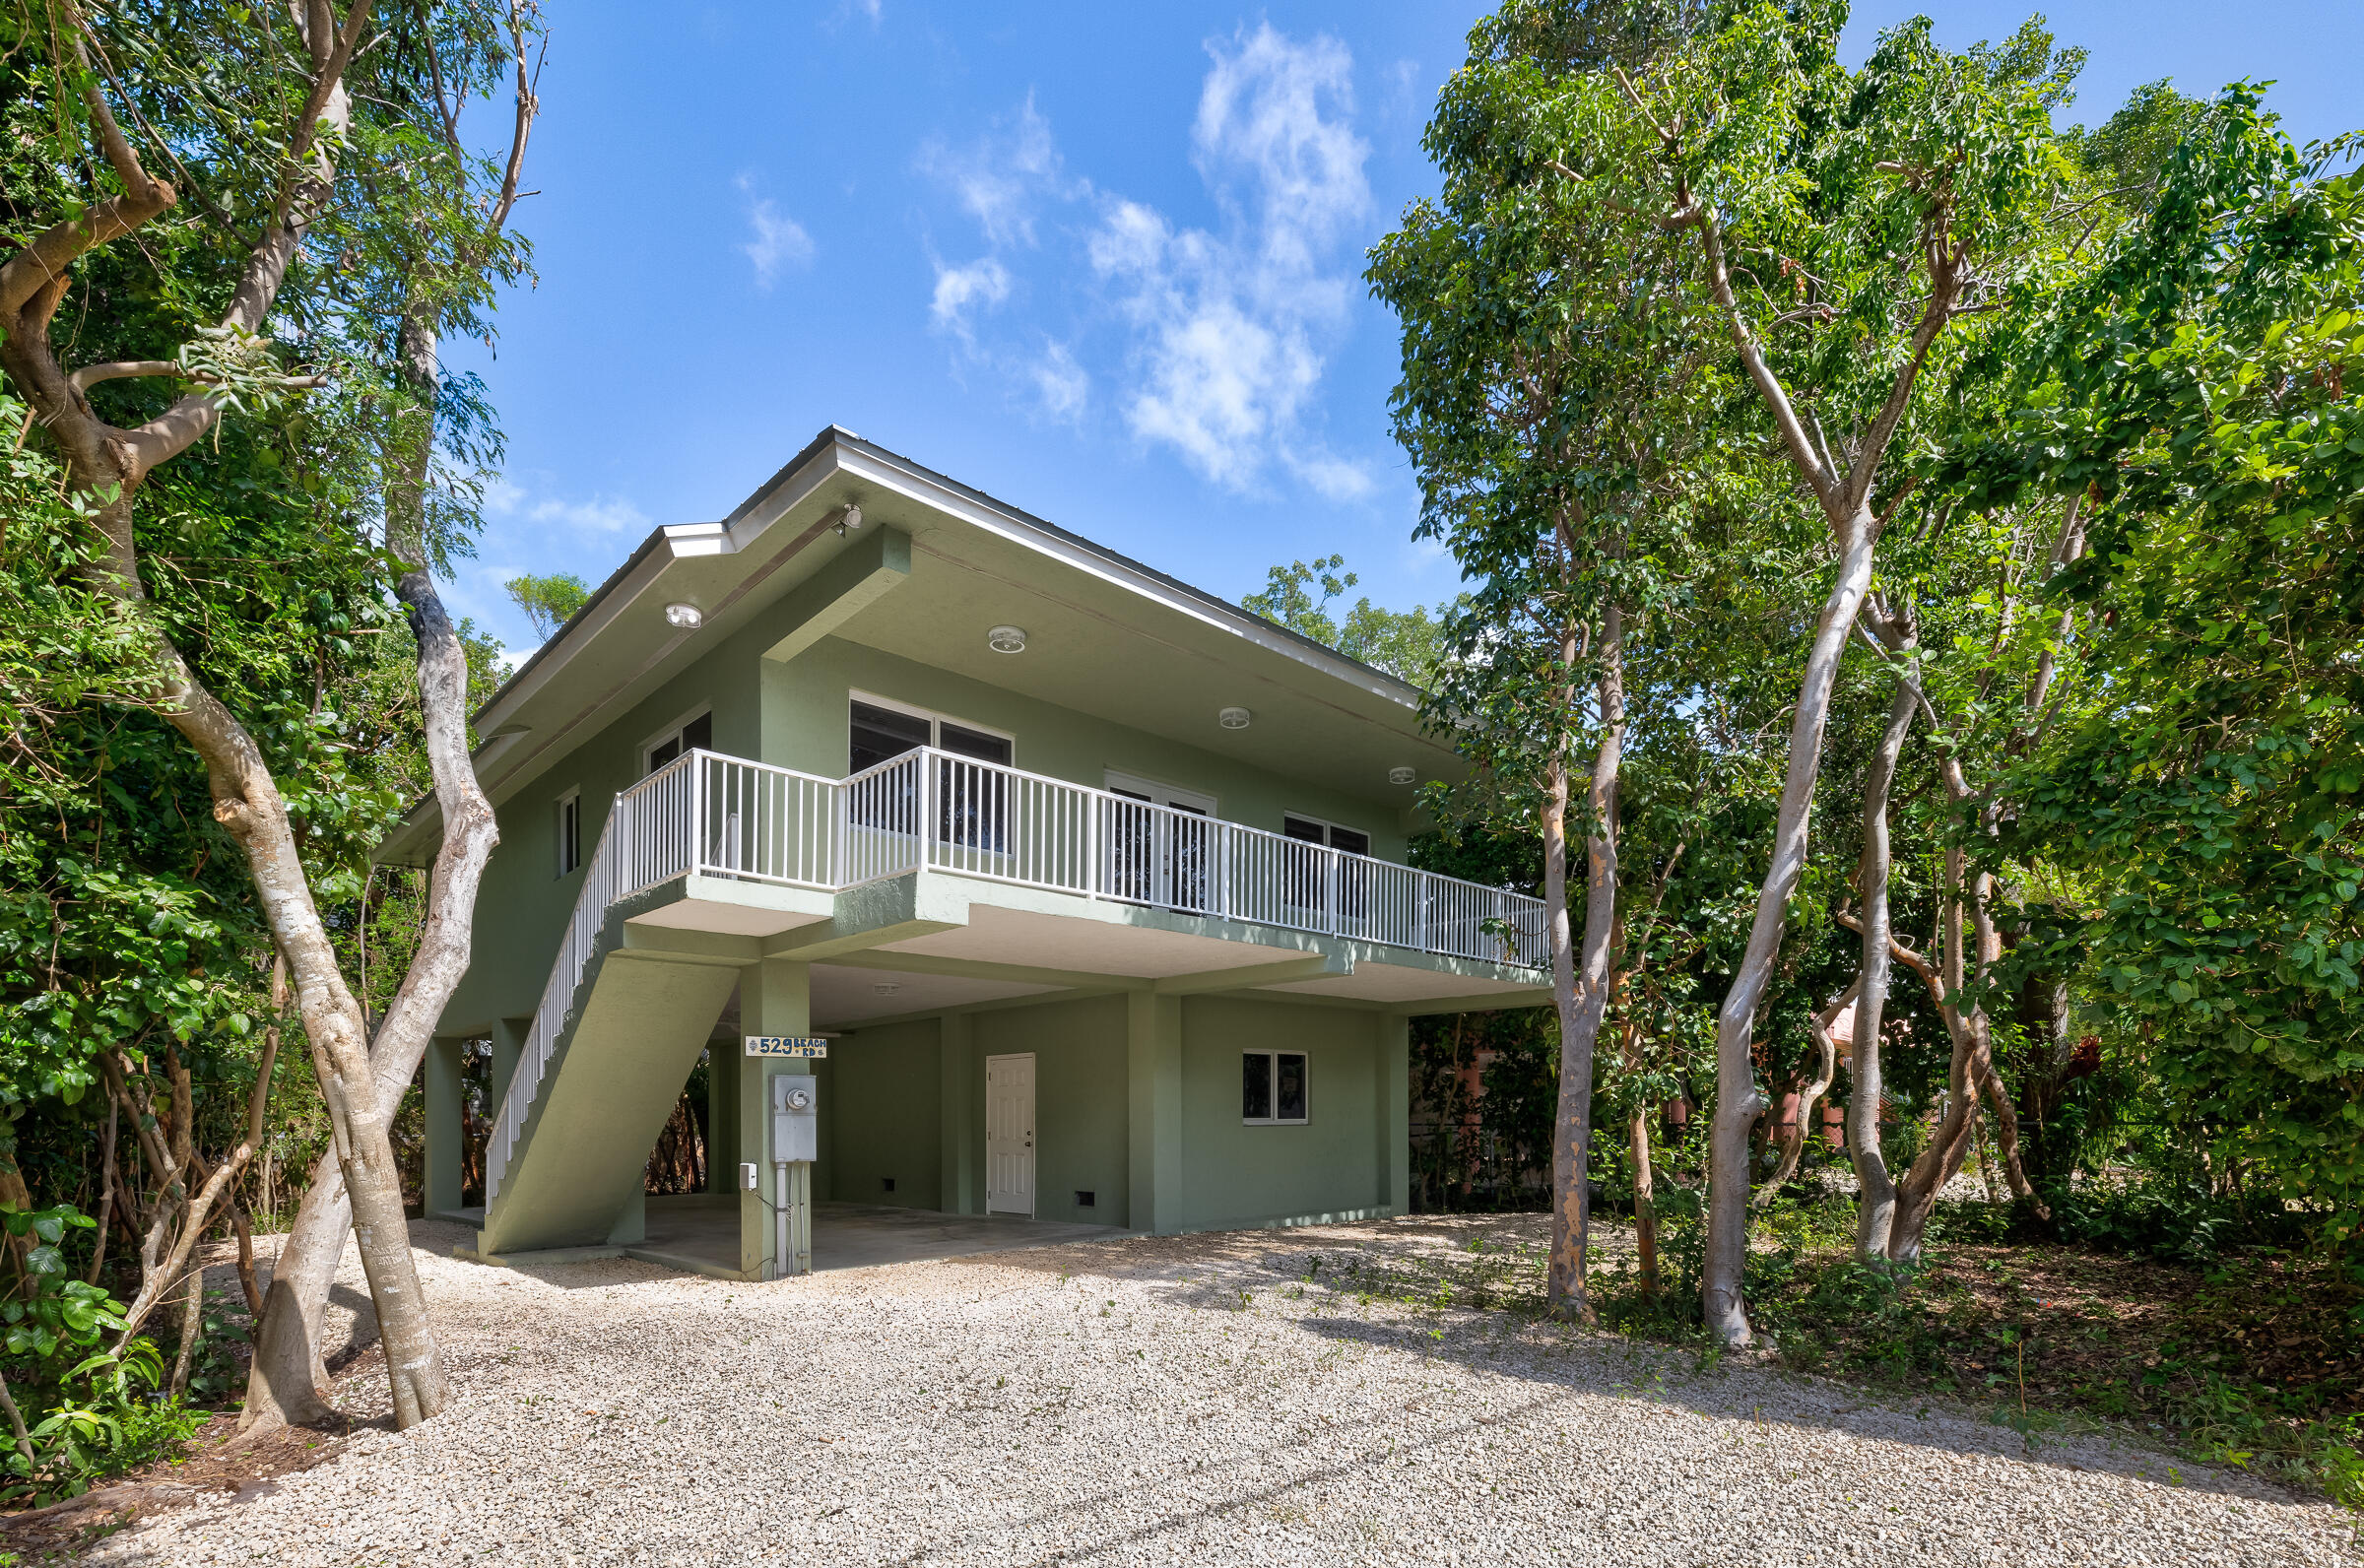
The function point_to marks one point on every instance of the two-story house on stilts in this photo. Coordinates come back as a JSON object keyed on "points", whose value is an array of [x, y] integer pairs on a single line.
{"points": [[1093, 883]]}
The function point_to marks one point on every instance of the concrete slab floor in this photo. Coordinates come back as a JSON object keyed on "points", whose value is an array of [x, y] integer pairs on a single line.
{"points": [[701, 1232]]}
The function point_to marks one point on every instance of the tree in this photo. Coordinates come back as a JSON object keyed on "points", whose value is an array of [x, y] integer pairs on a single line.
{"points": [[1551, 374], [1406, 643], [291, 75], [443, 280], [1844, 220], [551, 602], [2200, 805]]}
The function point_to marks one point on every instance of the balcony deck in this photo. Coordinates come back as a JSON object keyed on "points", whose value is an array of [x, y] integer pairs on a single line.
{"points": [[723, 819]]}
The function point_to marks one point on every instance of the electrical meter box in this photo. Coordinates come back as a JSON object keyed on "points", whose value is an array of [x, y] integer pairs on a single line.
{"points": [[794, 1119]]}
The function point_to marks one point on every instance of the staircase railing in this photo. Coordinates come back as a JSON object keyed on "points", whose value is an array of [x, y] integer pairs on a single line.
{"points": [[729, 818]]}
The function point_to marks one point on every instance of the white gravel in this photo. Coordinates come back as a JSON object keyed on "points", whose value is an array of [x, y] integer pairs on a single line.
{"points": [[1185, 1401]]}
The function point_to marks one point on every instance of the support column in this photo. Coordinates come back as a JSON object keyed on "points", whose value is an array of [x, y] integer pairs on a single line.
{"points": [[445, 1130], [775, 997], [956, 1113], [1154, 1112], [1395, 1113], [508, 1043], [722, 1115]]}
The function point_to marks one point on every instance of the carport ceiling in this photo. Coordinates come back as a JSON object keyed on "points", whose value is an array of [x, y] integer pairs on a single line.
{"points": [[842, 996]]}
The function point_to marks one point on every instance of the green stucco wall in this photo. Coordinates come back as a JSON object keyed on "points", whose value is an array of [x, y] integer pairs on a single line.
{"points": [[885, 1112], [879, 1095], [1078, 1102], [1235, 1174]]}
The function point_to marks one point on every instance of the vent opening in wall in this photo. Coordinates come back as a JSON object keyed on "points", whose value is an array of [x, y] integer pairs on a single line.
{"points": [[1086, 1200], [887, 1184]]}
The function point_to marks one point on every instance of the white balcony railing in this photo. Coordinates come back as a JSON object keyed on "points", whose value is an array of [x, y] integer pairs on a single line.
{"points": [[928, 810]]}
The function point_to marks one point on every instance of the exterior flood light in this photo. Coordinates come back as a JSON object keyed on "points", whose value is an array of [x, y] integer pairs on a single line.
{"points": [[1232, 718], [1007, 639], [849, 518], [687, 615], [1401, 776]]}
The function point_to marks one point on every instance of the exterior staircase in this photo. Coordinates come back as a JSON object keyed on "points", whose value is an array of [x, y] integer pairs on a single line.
{"points": [[615, 1038]]}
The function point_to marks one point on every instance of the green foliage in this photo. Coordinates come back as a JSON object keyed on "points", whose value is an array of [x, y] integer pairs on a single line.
{"points": [[87, 1414], [551, 602], [1406, 643], [125, 914], [48, 1310], [2205, 389], [101, 1419]]}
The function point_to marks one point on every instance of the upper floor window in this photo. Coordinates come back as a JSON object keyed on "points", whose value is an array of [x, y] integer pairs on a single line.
{"points": [[1313, 830], [879, 730], [692, 734], [570, 831]]}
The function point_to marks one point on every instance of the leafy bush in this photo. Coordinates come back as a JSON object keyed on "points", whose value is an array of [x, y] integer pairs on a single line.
{"points": [[89, 1416]]}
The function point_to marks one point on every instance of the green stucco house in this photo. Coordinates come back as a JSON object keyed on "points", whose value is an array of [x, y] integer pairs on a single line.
{"points": [[1092, 882]]}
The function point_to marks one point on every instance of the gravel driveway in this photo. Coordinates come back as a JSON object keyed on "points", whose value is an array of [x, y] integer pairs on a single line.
{"points": [[1196, 1401]]}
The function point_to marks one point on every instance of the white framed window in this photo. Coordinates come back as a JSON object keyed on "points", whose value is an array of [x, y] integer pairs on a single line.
{"points": [[1313, 830], [570, 831], [693, 730], [879, 727], [1273, 1089]]}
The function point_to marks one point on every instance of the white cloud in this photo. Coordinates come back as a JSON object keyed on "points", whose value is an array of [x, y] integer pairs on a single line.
{"points": [[1225, 329], [1279, 115], [779, 241], [1232, 326], [985, 282], [509, 502], [1332, 478], [1061, 383], [604, 514], [1001, 177]]}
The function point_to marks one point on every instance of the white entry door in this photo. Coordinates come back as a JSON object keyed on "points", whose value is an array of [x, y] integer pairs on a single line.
{"points": [[1010, 1135]]}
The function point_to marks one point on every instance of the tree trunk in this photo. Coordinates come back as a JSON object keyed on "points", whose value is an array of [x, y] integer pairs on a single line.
{"points": [[1582, 995], [1645, 1207], [1739, 1100], [1950, 1146], [107, 1193], [285, 1380], [1875, 1189], [1809, 1096]]}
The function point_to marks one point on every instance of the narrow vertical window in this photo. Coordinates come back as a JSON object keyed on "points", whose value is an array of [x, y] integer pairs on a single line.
{"points": [[570, 831], [1289, 1091], [1256, 1086]]}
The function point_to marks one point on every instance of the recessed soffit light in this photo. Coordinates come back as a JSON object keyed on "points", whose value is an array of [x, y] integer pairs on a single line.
{"points": [[685, 615], [1401, 776], [1232, 718], [1007, 639]]}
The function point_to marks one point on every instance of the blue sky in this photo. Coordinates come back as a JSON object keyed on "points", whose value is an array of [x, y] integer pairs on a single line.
{"points": [[1102, 261]]}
